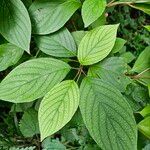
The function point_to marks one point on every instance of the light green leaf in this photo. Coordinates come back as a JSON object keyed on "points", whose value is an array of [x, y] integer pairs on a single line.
{"points": [[107, 115], [9, 55], [49, 16], [59, 44], [118, 45], [29, 123], [145, 111], [78, 36], [58, 107], [97, 44], [144, 126], [32, 79], [143, 61], [15, 23], [92, 10], [147, 27], [112, 70]]}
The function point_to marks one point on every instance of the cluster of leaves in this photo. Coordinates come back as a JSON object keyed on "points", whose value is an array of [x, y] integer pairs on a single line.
{"points": [[76, 83]]}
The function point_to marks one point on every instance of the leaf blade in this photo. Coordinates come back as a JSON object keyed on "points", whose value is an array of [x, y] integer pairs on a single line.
{"points": [[59, 44], [15, 24], [29, 123], [32, 79], [92, 10], [9, 55], [63, 100], [106, 115], [97, 44], [49, 16]]}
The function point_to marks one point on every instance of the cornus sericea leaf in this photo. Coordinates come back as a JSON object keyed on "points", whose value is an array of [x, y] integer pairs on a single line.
{"points": [[119, 43], [147, 27], [32, 79], [15, 23], [107, 115], [112, 70], [144, 126], [49, 16], [92, 10], [59, 44], [9, 55], [78, 36], [97, 44], [143, 61], [58, 107]]}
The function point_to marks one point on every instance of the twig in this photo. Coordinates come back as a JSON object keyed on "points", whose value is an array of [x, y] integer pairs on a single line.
{"points": [[118, 3]]}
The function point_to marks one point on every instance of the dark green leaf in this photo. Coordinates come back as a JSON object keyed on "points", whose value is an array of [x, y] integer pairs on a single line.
{"points": [[15, 23], [9, 55], [112, 70], [29, 123], [107, 116], [59, 44], [49, 16]]}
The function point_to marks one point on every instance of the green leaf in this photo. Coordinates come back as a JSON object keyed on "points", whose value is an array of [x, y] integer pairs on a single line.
{"points": [[140, 94], [128, 57], [147, 147], [144, 126], [49, 16], [111, 70], [118, 45], [32, 79], [92, 10], [78, 36], [49, 144], [29, 123], [58, 107], [26, 148], [97, 44], [15, 23], [59, 44], [149, 89], [9, 55], [145, 111], [145, 7], [143, 61], [135, 1], [107, 115], [147, 27], [21, 107], [100, 21], [137, 96]]}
